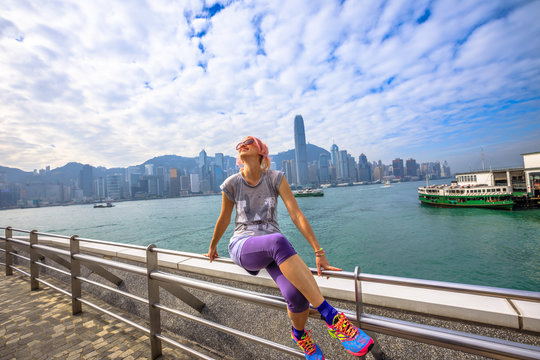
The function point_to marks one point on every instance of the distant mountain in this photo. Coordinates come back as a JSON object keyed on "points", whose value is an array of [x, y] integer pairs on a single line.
{"points": [[172, 161], [313, 153], [15, 175]]}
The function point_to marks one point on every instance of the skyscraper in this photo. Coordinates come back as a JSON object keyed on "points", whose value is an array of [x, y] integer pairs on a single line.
{"points": [[86, 180], [397, 165], [300, 150]]}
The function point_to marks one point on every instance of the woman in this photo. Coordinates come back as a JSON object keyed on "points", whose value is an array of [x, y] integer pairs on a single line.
{"points": [[257, 243]]}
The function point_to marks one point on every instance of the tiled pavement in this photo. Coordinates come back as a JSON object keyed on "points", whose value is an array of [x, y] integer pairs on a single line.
{"points": [[39, 325]]}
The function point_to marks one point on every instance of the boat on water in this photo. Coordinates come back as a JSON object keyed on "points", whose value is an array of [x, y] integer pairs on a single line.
{"points": [[102, 205], [387, 184], [308, 192], [499, 189]]}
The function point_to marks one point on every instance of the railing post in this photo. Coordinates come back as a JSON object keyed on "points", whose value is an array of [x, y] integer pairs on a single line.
{"points": [[375, 350], [76, 305], [153, 298], [8, 248], [34, 258]]}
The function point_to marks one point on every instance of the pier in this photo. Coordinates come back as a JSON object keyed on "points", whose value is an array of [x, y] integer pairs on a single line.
{"points": [[95, 299]]}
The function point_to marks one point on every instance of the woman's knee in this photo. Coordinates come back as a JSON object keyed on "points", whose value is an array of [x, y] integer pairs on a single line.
{"points": [[296, 302]]}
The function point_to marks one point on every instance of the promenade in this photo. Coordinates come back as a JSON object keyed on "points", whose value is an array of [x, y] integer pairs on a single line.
{"points": [[39, 325]]}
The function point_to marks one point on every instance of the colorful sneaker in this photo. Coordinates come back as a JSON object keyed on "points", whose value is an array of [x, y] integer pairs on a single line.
{"points": [[310, 348], [353, 339]]}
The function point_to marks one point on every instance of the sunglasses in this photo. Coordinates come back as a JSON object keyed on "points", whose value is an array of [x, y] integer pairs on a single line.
{"points": [[245, 142]]}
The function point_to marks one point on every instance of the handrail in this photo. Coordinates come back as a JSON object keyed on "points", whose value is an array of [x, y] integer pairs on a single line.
{"points": [[382, 279], [457, 340]]}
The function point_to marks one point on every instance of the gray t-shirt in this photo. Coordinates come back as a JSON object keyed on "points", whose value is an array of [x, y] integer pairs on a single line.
{"points": [[256, 208]]}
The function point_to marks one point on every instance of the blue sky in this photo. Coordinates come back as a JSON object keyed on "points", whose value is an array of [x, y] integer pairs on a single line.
{"points": [[115, 83]]}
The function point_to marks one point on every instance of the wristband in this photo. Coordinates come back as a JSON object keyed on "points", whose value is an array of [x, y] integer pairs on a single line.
{"points": [[320, 252]]}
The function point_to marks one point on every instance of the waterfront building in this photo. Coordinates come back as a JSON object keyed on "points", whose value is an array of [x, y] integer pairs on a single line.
{"points": [[334, 155], [86, 181], [300, 151], [286, 167], [185, 185], [445, 170], [195, 183], [397, 168], [114, 186], [364, 168], [324, 174], [174, 180], [313, 170], [351, 164], [411, 167], [219, 160], [378, 173], [342, 168], [162, 183], [100, 188], [332, 172], [203, 165]]}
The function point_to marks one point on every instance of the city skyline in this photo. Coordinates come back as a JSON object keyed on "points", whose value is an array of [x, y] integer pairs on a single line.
{"points": [[432, 80]]}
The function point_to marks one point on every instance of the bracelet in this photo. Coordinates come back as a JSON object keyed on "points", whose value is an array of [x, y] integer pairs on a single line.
{"points": [[320, 252]]}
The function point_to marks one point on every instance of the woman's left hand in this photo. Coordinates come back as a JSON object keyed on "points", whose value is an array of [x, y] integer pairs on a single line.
{"points": [[322, 264]]}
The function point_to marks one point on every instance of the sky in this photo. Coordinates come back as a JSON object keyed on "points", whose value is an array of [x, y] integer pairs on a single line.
{"points": [[114, 83]]}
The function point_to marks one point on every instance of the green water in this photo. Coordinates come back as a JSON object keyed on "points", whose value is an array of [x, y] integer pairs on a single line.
{"points": [[384, 230]]}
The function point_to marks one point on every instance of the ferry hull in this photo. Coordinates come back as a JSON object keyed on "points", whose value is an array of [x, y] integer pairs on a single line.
{"points": [[444, 202]]}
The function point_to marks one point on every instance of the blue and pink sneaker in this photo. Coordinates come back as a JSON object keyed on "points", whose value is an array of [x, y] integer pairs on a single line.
{"points": [[353, 339], [309, 347]]}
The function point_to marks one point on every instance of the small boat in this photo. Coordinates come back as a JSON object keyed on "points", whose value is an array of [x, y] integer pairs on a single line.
{"points": [[387, 184], [308, 192], [107, 205]]}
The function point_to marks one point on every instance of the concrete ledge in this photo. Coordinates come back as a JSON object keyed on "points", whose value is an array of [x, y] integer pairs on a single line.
{"points": [[530, 314], [483, 309]]}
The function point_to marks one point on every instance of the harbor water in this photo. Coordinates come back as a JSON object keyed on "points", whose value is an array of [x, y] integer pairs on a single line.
{"points": [[384, 230]]}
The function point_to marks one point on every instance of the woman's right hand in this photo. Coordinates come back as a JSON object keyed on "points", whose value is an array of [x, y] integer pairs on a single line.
{"points": [[212, 253]]}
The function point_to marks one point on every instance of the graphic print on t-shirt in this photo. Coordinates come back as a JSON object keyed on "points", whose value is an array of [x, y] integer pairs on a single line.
{"points": [[255, 220]]}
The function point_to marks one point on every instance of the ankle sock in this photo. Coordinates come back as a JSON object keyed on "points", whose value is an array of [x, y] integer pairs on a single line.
{"points": [[327, 312], [298, 333]]}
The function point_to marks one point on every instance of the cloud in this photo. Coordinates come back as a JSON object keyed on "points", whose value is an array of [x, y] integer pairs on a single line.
{"points": [[114, 84]]}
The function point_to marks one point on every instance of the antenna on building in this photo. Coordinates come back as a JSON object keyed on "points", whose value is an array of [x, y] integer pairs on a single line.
{"points": [[483, 162]]}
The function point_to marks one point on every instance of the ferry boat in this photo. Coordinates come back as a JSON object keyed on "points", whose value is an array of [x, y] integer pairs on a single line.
{"points": [[308, 192], [101, 205], [502, 189]]}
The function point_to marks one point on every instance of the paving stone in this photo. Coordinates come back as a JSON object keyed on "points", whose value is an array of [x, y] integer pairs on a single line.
{"points": [[39, 325]]}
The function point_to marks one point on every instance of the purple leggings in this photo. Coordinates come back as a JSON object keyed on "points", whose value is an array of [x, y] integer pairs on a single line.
{"points": [[269, 251]]}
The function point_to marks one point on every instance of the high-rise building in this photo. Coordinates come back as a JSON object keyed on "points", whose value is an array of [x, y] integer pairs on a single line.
{"points": [[114, 186], [342, 167], [149, 169], [412, 167], [195, 183], [203, 165], [351, 164], [100, 188], [86, 182], [334, 155], [313, 173], [219, 160], [324, 173], [175, 182], [364, 168], [300, 151], [397, 165]]}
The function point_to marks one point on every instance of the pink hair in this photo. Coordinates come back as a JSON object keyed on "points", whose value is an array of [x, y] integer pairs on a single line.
{"points": [[263, 152]]}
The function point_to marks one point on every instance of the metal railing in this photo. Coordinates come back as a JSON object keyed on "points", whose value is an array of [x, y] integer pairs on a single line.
{"points": [[173, 283]]}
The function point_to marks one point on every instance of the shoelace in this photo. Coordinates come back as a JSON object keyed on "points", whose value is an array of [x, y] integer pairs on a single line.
{"points": [[343, 325], [307, 344]]}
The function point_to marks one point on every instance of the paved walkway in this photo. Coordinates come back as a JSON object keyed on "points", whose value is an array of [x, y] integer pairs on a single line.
{"points": [[39, 325]]}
